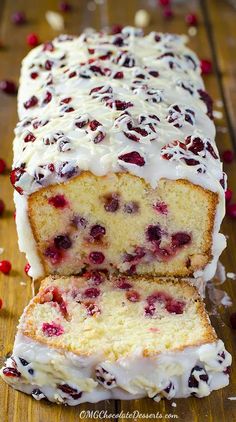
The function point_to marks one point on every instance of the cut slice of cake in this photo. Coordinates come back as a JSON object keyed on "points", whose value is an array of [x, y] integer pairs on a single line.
{"points": [[115, 161], [92, 338]]}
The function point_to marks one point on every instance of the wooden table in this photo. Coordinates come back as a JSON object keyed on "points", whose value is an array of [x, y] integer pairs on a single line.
{"points": [[215, 40]]}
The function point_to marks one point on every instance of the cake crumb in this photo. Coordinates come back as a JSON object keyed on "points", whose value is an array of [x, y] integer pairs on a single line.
{"points": [[219, 103], [232, 398], [1, 250], [141, 18], [232, 276], [192, 31], [55, 20], [23, 283], [173, 404], [217, 114]]}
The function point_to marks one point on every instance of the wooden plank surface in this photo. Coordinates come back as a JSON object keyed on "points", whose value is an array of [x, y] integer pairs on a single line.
{"points": [[209, 42]]}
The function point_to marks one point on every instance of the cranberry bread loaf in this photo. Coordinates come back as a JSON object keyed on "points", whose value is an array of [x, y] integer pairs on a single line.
{"points": [[91, 338], [115, 163]]}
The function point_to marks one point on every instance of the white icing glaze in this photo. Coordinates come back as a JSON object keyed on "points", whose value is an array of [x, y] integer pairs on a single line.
{"points": [[160, 110], [130, 377]]}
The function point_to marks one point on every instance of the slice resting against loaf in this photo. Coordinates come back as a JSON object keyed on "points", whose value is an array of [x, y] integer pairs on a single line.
{"points": [[93, 338], [115, 163]]}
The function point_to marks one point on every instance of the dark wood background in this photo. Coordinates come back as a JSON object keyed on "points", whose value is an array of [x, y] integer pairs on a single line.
{"points": [[215, 40]]}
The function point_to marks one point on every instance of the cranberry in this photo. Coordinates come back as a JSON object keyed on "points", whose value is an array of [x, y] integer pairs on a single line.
{"points": [[2, 207], [47, 98], [27, 268], [122, 105], [5, 267], [191, 19], [15, 177], [228, 156], [96, 257], [228, 195], [64, 6], [97, 232], [153, 233], [164, 3], [1, 303], [34, 75], [18, 18], [52, 329], [53, 254], [32, 39], [116, 29], [96, 277], [94, 124], [233, 320], [8, 87], [91, 292], [204, 96], [118, 75], [231, 210], [54, 295], [62, 242], [32, 102], [167, 12], [175, 306], [161, 207], [29, 137], [158, 296], [11, 372], [206, 66], [58, 201], [133, 296], [150, 310], [48, 46], [111, 203], [92, 309], [132, 158], [180, 239], [2, 166]]}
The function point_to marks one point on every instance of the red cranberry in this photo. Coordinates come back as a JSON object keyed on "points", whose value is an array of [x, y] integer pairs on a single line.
{"points": [[32, 102], [8, 87], [52, 329], [58, 201], [96, 277], [5, 267], [18, 18], [97, 232], [132, 158], [11, 372], [164, 3], [118, 75], [94, 124], [123, 284], [64, 6], [133, 296], [91, 292], [150, 310], [34, 75], [206, 66], [180, 239], [47, 98], [62, 242], [2, 207], [70, 390], [53, 254], [158, 296], [116, 29], [29, 137], [161, 207], [154, 233], [191, 19], [175, 306], [231, 210], [111, 203], [167, 12], [1, 303], [228, 156], [2, 166], [15, 176], [92, 309], [96, 257], [233, 320], [32, 39], [27, 268], [228, 195]]}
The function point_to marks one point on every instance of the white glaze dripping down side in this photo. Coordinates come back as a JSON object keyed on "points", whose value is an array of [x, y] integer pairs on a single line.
{"points": [[48, 372], [145, 92]]}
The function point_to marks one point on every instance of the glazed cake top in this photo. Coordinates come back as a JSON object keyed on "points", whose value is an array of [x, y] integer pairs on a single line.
{"points": [[113, 103]]}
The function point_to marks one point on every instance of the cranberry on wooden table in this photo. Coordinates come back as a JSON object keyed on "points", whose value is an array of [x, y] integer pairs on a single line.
{"points": [[5, 266]]}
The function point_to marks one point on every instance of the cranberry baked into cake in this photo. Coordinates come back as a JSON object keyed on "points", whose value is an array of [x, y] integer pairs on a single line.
{"points": [[115, 163], [93, 338]]}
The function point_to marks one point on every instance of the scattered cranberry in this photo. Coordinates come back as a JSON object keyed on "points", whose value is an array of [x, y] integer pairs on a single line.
{"points": [[92, 309], [91, 292], [233, 320], [180, 239], [58, 201], [18, 18], [231, 210], [1, 303], [161, 207], [52, 329], [123, 284], [62, 242], [32, 39], [53, 254], [2, 165], [167, 12], [27, 268], [133, 296], [11, 372], [31, 102], [175, 306], [96, 257], [228, 156], [228, 195], [111, 203], [132, 158], [2, 206], [97, 231], [191, 19], [154, 233], [116, 29], [5, 267], [8, 87], [206, 66]]}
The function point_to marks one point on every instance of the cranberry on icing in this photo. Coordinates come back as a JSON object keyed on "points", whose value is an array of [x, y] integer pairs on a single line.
{"points": [[11, 372], [132, 158], [58, 201]]}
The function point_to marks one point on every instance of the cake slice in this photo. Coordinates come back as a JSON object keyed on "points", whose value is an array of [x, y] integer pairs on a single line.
{"points": [[93, 338], [115, 161]]}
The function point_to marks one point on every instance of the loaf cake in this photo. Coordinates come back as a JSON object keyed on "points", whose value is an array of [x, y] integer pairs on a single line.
{"points": [[115, 163], [94, 337]]}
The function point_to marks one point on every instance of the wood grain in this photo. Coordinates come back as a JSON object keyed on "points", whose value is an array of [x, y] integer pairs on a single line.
{"points": [[208, 43]]}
